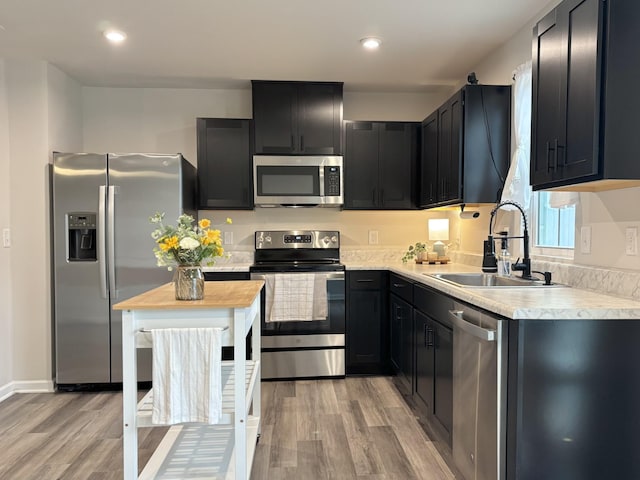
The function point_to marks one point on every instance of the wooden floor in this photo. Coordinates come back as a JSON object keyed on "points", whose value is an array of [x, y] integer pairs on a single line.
{"points": [[357, 428]]}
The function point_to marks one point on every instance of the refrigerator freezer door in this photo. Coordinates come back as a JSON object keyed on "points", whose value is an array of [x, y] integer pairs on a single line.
{"points": [[81, 311], [143, 185]]}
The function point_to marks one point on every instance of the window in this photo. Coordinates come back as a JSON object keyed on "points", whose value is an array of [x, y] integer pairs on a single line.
{"points": [[554, 227]]}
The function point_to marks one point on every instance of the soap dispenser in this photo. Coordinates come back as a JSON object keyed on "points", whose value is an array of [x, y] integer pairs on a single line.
{"points": [[504, 259]]}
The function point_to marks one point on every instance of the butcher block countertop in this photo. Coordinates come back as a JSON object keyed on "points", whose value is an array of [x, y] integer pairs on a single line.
{"points": [[219, 294]]}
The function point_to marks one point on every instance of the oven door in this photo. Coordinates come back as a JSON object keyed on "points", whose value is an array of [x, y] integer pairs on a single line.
{"points": [[302, 303]]}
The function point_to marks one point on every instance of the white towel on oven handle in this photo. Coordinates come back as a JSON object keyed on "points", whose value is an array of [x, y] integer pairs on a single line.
{"points": [[295, 297]]}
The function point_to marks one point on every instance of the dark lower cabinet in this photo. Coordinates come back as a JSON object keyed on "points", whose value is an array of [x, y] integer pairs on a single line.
{"points": [[573, 396], [224, 163], [434, 358], [367, 327], [402, 334]]}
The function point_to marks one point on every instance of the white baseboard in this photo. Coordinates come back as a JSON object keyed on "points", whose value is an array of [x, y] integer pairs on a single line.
{"points": [[33, 386]]}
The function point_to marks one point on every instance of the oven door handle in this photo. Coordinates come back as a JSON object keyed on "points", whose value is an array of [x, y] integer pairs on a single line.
{"points": [[329, 276]]}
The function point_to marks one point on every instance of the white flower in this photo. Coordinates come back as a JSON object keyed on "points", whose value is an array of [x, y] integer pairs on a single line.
{"points": [[189, 243]]}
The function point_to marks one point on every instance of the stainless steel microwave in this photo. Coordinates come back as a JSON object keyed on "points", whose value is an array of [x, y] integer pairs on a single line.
{"points": [[298, 181]]}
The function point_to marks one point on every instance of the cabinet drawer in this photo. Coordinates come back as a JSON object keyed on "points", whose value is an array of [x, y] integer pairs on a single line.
{"points": [[433, 303], [366, 280], [401, 287]]}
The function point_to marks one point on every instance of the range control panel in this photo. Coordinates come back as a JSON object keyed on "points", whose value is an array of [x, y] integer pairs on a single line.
{"points": [[310, 239]]}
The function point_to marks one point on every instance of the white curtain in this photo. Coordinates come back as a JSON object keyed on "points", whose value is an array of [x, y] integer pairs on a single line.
{"points": [[516, 186]]}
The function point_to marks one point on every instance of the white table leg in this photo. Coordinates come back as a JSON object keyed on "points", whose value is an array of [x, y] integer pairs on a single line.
{"points": [[129, 396]]}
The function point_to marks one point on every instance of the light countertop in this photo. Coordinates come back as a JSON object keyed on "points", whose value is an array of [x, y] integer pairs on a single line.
{"points": [[556, 303], [232, 294]]}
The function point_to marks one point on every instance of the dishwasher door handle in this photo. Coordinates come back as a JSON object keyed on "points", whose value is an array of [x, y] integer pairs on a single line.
{"points": [[457, 318]]}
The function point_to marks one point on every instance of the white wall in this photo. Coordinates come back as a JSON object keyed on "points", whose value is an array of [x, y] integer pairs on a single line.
{"points": [[27, 113], [6, 291], [154, 120], [39, 111]]}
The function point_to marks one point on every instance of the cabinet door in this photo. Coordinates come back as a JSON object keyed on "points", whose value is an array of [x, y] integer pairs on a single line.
{"points": [[429, 161], [224, 163], [546, 109], [397, 164], [367, 323], [449, 151], [275, 115], [443, 375], [320, 118], [576, 153], [566, 93], [402, 342], [425, 360], [361, 165]]}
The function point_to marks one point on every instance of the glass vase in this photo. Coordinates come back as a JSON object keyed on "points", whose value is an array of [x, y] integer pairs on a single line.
{"points": [[189, 282]]}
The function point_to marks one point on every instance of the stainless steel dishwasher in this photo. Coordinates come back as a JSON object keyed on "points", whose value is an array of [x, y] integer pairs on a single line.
{"points": [[479, 393]]}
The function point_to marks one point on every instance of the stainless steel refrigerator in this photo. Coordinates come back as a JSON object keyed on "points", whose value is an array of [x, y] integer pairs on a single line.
{"points": [[102, 253]]}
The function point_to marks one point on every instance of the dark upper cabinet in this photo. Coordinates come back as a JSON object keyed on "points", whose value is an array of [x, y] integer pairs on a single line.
{"points": [[583, 111], [297, 118], [466, 147], [380, 165], [367, 332], [224, 163]]}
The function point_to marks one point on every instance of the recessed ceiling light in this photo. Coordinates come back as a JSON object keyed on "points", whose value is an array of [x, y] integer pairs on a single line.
{"points": [[371, 43], [115, 36]]}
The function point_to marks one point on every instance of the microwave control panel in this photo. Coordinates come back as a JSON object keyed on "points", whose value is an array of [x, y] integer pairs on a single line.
{"points": [[331, 181]]}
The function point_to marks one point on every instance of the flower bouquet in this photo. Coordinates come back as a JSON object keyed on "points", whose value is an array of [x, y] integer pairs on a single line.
{"points": [[186, 246]]}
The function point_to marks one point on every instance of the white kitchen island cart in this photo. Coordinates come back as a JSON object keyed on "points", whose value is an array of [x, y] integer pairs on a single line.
{"points": [[193, 450]]}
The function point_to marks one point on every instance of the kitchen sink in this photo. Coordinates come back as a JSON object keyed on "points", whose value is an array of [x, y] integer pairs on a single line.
{"points": [[488, 280]]}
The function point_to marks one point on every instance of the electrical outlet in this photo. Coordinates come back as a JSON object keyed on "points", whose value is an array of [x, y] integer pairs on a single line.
{"points": [[631, 241], [6, 237], [585, 239], [373, 237], [228, 238]]}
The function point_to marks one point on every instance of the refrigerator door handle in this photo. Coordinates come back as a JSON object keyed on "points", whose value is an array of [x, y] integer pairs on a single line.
{"points": [[102, 257], [111, 240]]}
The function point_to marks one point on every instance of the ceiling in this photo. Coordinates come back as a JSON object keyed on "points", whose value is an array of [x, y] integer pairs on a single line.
{"points": [[226, 43]]}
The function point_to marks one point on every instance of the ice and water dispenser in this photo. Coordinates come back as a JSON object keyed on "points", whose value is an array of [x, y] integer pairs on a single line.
{"points": [[81, 237]]}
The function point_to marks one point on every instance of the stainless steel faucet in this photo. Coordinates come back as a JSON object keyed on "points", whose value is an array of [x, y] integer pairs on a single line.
{"points": [[489, 262]]}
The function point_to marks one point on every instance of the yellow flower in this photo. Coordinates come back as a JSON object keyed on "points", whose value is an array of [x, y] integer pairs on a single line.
{"points": [[213, 236], [228, 220], [219, 251], [169, 243], [204, 223]]}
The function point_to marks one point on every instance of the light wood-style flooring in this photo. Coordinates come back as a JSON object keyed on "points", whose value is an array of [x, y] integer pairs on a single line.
{"points": [[356, 428]]}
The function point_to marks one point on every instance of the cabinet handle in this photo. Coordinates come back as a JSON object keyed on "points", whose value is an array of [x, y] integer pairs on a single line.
{"points": [[429, 337], [424, 332], [365, 280], [563, 163], [548, 157], [399, 285], [555, 153], [381, 196]]}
